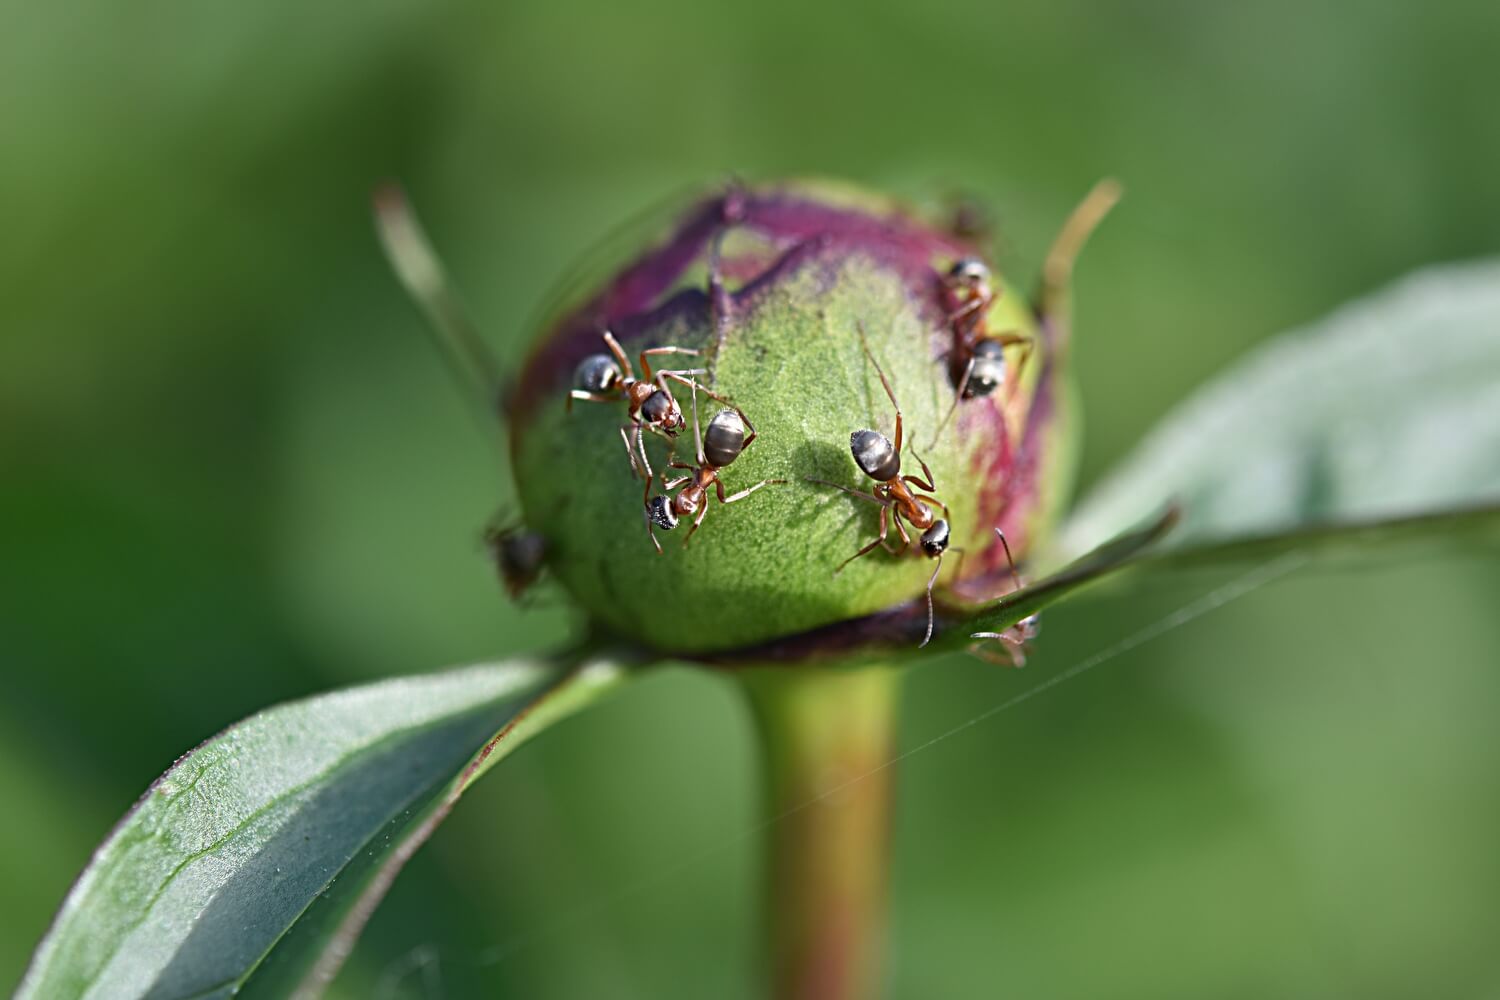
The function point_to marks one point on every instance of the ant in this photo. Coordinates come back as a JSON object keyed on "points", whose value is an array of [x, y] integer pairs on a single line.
{"points": [[1013, 640], [976, 362], [520, 555], [880, 459], [606, 378], [977, 359], [729, 433]]}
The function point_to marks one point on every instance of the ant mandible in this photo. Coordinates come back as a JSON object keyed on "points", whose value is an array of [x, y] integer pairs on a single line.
{"points": [[606, 378], [880, 459], [1012, 640], [729, 433]]}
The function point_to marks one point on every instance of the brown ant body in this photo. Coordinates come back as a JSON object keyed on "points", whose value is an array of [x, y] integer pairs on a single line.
{"points": [[1013, 640], [880, 459], [607, 378], [729, 434]]}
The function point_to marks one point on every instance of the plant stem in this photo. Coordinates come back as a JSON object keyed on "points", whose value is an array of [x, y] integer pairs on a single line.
{"points": [[828, 736]]}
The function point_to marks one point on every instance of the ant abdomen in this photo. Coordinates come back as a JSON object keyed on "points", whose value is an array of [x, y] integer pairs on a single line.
{"points": [[724, 439], [875, 455], [988, 372], [597, 373]]}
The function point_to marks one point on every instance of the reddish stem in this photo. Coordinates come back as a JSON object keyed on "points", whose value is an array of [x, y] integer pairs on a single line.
{"points": [[827, 736]]}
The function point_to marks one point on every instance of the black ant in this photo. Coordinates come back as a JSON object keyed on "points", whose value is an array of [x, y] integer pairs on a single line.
{"points": [[880, 459], [607, 378], [729, 433], [1012, 640]]}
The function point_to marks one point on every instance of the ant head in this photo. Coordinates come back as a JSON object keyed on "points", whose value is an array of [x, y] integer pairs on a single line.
{"points": [[596, 373], [687, 501], [724, 439], [935, 539], [989, 368], [968, 272], [659, 512], [660, 410], [1029, 626], [875, 455]]}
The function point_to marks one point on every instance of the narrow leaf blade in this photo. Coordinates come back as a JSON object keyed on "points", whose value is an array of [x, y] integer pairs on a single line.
{"points": [[253, 863]]}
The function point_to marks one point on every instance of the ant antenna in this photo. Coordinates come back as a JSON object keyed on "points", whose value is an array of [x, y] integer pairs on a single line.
{"points": [[931, 580], [421, 272], [1015, 576]]}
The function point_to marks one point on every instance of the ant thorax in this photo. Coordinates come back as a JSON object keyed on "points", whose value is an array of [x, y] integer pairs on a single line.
{"points": [[687, 502]]}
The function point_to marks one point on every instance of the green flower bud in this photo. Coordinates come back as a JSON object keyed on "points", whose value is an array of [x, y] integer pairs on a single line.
{"points": [[788, 297]]}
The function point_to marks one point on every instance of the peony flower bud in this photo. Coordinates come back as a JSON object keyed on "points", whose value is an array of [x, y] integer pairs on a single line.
{"points": [[780, 301]]}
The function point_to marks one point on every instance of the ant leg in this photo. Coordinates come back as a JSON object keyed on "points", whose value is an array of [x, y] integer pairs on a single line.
{"points": [[631, 435], [697, 430], [891, 395], [702, 513], [878, 542], [592, 397], [652, 352], [958, 395], [742, 494], [1057, 270], [963, 553], [1027, 344], [619, 353], [901, 530], [852, 492], [650, 528], [929, 484], [1009, 654], [679, 481], [1009, 560]]}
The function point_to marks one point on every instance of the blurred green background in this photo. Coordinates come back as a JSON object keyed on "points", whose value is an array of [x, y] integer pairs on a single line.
{"points": [[232, 471]]}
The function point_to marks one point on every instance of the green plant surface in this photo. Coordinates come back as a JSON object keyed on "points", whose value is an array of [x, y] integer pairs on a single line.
{"points": [[250, 867], [1387, 410]]}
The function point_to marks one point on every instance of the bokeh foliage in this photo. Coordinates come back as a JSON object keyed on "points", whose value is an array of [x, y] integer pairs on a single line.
{"points": [[231, 471]]}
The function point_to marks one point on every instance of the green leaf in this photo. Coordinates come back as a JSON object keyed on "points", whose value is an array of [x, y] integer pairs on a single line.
{"points": [[1382, 419], [252, 865]]}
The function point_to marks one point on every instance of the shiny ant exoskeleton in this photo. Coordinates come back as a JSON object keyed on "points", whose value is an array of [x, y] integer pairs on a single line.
{"points": [[880, 459], [608, 378], [1012, 640], [729, 434]]}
